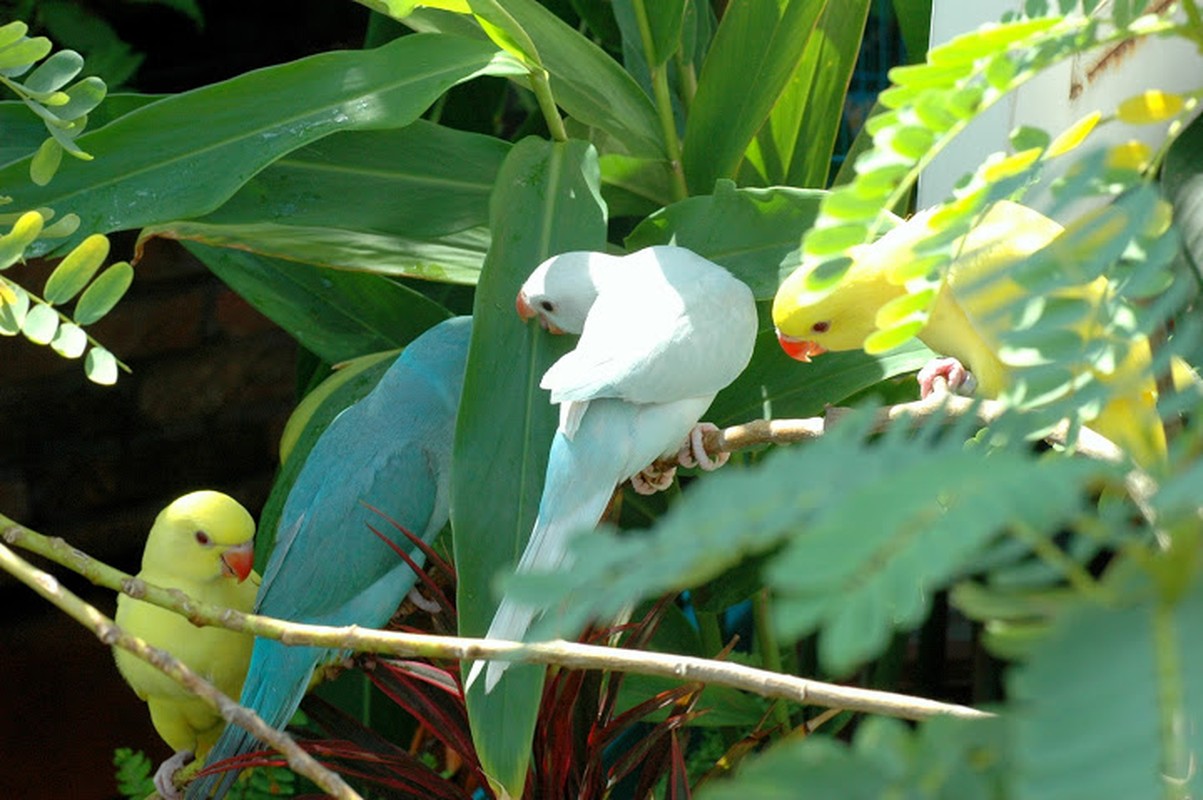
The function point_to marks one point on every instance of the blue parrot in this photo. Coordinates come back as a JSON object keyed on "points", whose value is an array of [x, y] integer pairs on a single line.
{"points": [[392, 451]]}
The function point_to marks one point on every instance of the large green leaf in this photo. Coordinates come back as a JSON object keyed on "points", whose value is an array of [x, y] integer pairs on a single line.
{"points": [[945, 759], [1110, 705], [755, 233], [547, 201], [587, 83], [455, 258], [1182, 178], [754, 55], [183, 156], [336, 314], [410, 201], [24, 131], [796, 143]]}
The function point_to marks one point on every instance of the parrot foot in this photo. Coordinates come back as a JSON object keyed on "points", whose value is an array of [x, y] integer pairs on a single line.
{"points": [[655, 478], [951, 371], [693, 452], [165, 775], [429, 606]]}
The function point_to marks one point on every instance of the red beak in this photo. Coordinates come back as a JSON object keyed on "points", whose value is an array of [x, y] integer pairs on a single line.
{"points": [[523, 307], [237, 562], [800, 349], [526, 313]]}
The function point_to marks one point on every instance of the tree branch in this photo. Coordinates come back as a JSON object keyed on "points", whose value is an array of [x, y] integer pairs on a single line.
{"points": [[568, 654], [941, 403], [109, 634]]}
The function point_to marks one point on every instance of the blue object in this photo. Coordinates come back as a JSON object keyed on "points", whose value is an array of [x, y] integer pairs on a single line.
{"points": [[392, 451]]}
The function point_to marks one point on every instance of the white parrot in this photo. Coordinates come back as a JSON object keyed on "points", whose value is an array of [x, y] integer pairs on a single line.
{"points": [[663, 330]]}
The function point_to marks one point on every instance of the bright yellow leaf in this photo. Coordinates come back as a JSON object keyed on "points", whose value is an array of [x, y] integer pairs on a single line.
{"points": [[1074, 135], [1132, 155]]}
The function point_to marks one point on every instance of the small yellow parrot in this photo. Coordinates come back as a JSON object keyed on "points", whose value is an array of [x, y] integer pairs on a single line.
{"points": [[200, 544], [959, 325]]}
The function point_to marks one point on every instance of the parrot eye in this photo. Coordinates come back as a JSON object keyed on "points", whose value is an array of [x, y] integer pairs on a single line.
{"points": [[203, 539], [547, 306], [820, 327]]}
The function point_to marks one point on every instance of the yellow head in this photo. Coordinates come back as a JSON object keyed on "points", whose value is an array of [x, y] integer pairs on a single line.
{"points": [[810, 323], [203, 536]]}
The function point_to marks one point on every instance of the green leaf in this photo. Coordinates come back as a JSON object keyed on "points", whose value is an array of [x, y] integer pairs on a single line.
{"points": [[16, 58], [334, 313], [23, 132], [14, 305], [547, 201], [1141, 705], [73, 272], [750, 63], [104, 293], [11, 32], [1182, 179], [54, 73], [46, 162], [943, 758], [796, 144], [921, 508], [590, 85], [156, 164], [41, 324], [665, 19], [420, 211], [752, 232], [70, 341], [100, 366]]}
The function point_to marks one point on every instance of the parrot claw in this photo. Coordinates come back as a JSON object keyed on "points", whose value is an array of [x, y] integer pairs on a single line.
{"points": [[951, 371], [653, 479], [693, 452], [165, 775]]}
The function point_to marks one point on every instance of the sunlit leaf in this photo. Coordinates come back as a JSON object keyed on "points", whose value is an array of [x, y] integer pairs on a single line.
{"points": [[41, 324], [104, 293], [100, 366], [75, 271], [70, 341], [1150, 106]]}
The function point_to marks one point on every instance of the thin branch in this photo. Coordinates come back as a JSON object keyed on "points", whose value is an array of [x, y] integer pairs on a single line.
{"points": [[941, 403], [568, 654], [109, 634]]}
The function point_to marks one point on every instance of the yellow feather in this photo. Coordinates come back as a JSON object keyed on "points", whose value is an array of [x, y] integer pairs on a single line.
{"points": [[184, 550], [964, 322]]}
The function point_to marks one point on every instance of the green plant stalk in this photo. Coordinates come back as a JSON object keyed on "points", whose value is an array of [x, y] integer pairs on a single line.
{"points": [[687, 78], [770, 652], [541, 86], [709, 632], [664, 103], [1177, 761]]}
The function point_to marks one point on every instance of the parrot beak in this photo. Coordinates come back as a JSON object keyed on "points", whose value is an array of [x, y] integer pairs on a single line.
{"points": [[800, 349], [525, 312], [237, 562]]}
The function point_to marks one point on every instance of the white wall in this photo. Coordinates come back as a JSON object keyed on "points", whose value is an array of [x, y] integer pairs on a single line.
{"points": [[1059, 97]]}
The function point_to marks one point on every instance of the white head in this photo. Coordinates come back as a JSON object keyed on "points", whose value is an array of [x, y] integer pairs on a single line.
{"points": [[561, 290]]}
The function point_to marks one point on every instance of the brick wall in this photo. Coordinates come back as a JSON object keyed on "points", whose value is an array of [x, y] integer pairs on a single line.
{"points": [[212, 384]]}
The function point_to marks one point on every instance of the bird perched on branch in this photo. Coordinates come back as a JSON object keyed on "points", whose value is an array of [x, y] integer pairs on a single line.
{"points": [[965, 324], [663, 330], [200, 544], [385, 458]]}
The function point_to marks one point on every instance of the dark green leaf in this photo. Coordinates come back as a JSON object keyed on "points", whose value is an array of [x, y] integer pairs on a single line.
{"points": [[157, 163], [547, 201], [334, 313], [750, 63]]}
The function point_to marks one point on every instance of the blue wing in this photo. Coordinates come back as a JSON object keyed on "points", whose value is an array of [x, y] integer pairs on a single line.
{"points": [[391, 451]]}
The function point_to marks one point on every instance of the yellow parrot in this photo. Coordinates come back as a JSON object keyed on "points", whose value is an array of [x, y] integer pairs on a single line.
{"points": [[200, 544], [959, 325]]}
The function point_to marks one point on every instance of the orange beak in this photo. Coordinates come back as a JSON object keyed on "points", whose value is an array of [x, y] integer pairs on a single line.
{"points": [[800, 349], [525, 312], [237, 562]]}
